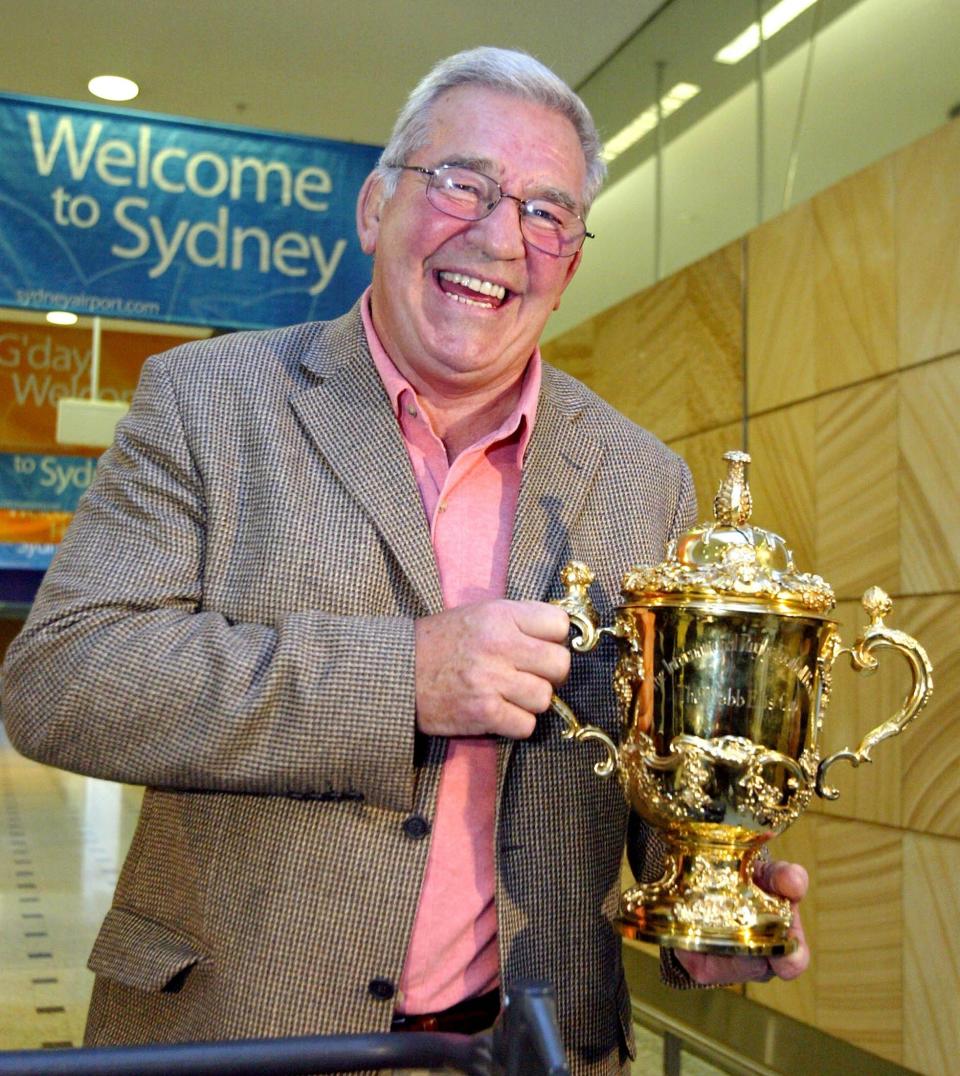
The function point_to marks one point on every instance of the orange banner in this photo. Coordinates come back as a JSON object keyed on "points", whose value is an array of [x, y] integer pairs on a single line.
{"points": [[40, 364], [39, 528]]}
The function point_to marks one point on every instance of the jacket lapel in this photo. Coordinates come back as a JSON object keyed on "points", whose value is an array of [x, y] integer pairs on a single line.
{"points": [[348, 416], [558, 471]]}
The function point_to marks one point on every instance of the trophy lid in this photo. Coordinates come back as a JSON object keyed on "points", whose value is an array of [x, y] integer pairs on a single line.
{"points": [[729, 560]]}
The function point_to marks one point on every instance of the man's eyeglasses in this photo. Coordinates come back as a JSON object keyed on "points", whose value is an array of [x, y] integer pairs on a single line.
{"points": [[469, 195]]}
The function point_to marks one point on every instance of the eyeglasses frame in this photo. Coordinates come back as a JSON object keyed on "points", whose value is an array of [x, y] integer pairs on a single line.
{"points": [[521, 202]]}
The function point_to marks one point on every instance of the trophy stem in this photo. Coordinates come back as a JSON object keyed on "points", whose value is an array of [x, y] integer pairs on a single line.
{"points": [[707, 900]]}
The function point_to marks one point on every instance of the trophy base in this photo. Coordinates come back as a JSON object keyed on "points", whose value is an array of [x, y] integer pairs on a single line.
{"points": [[698, 942], [707, 902]]}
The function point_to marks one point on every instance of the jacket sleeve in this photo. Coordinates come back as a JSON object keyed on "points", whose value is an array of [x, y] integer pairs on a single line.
{"points": [[124, 672]]}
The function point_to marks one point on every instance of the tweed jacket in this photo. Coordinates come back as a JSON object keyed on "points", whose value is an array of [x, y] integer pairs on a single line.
{"points": [[230, 622]]}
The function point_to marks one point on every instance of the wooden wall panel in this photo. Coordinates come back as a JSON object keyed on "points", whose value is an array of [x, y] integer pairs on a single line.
{"points": [[931, 748], [855, 327], [669, 357], [783, 477], [931, 886], [928, 245], [704, 455], [821, 293], [859, 975], [929, 478], [780, 303], [857, 524]]}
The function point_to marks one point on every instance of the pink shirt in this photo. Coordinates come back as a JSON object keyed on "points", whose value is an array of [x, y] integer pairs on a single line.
{"points": [[470, 505]]}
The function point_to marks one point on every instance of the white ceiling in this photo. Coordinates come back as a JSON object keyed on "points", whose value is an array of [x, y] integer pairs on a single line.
{"points": [[318, 67]]}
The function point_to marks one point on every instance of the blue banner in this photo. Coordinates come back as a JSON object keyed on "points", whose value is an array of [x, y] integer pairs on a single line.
{"points": [[133, 215], [25, 556], [33, 482]]}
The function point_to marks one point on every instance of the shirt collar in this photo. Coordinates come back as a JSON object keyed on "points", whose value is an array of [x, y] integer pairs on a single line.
{"points": [[518, 423]]}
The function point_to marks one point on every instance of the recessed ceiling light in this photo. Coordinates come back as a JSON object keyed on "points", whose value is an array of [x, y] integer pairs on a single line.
{"points": [[61, 317], [647, 120], [113, 88], [773, 22]]}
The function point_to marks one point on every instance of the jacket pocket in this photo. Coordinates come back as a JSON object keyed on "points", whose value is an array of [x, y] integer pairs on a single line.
{"points": [[139, 952]]}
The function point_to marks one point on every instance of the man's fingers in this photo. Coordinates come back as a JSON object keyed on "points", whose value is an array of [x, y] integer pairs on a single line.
{"points": [[513, 722], [797, 962], [783, 879], [541, 620], [550, 661], [489, 668], [528, 692]]}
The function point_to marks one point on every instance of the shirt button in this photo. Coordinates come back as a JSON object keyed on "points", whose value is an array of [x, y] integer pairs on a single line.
{"points": [[411, 410], [381, 989], [442, 506], [416, 827]]}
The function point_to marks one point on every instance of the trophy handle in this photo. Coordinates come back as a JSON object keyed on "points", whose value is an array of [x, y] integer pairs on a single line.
{"points": [[877, 636], [576, 578]]}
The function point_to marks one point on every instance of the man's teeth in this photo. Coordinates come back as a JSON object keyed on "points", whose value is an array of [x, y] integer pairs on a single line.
{"points": [[483, 287]]}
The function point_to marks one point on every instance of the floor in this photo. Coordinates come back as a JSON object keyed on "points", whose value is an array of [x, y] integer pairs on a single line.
{"points": [[62, 838], [62, 841]]}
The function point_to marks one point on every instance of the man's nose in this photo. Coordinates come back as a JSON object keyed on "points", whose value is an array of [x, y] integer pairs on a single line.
{"points": [[500, 229]]}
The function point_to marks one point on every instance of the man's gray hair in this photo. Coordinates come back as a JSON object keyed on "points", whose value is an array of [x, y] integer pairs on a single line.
{"points": [[507, 71]]}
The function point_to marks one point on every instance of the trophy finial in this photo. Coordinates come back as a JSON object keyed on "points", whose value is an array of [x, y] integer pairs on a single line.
{"points": [[733, 504]]}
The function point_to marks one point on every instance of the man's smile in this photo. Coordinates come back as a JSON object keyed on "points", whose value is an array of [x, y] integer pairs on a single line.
{"points": [[471, 290]]}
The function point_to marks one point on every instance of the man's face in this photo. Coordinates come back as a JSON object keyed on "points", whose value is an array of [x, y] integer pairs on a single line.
{"points": [[424, 259]]}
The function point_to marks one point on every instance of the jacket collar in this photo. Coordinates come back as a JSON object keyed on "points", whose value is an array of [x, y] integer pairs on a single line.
{"points": [[349, 417]]}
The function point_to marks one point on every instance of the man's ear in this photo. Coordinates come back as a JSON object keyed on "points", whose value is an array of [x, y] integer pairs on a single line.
{"points": [[369, 203], [573, 267]]}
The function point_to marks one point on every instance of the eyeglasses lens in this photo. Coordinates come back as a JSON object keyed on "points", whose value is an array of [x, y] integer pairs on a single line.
{"points": [[469, 195]]}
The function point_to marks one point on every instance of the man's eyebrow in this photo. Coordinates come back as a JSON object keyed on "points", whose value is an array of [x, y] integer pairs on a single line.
{"points": [[551, 194], [489, 167], [478, 164]]}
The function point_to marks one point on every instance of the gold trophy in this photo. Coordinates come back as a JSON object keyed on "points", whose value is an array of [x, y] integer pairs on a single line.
{"points": [[726, 656]]}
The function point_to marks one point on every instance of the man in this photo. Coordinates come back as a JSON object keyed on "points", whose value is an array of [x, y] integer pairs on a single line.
{"points": [[304, 603]]}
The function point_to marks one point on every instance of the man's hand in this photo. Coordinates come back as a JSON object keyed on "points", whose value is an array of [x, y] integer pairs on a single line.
{"points": [[784, 880], [489, 668]]}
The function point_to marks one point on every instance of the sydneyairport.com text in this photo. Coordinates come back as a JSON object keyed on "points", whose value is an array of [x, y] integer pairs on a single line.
{"points": [[92, 304]]}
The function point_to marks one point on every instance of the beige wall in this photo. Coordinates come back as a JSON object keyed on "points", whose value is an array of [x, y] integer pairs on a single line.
{"points": [[831, 337]]}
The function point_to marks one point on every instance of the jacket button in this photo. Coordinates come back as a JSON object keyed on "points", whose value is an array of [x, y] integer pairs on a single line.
{"points": [[416, 827], [382, 989]]}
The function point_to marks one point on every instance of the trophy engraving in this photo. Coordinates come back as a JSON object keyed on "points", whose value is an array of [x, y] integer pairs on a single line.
{"points": [[724, 671]]}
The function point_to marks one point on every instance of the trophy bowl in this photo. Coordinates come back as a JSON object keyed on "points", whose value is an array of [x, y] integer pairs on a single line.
{"points": [[724, 670]]}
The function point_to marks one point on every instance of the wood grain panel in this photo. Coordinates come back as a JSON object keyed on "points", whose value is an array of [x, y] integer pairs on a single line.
{"points": [[931, 887], [927, 177], [858, 529], [855, 328], [713, 339], [783, 477], [931, 747], [704, 454], [781, 359], [929, 487], [670, 356], [860, 933]]}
